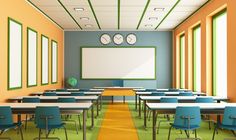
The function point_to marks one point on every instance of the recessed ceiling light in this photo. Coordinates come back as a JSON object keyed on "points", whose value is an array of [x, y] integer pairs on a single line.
{"points": [[79, 9], [148, 25], [84, 18], [88, 25], [153, 18], [159, 9]]}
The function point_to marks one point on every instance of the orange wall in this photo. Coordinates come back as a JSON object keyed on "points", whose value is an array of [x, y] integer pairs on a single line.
{"points": [[203, 16], [23, 12]]}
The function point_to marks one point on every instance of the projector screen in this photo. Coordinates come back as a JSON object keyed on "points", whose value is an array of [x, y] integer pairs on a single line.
{"points": [[118, 63]]}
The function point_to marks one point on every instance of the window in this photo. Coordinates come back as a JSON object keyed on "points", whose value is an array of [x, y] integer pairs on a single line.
{"points": [[220, 54], [182, 61], [197, 58]]}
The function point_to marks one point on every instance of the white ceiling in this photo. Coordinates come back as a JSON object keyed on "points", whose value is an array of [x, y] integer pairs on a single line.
{"points": [[133, 15]]}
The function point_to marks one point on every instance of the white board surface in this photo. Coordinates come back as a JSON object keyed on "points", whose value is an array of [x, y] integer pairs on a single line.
{"points": [[45, 63], [54, 62], [118, 63]]}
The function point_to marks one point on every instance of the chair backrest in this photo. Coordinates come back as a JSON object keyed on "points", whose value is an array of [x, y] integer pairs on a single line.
{"points": [[168, 100], [30, 100], [157, 94], [150, 90], [229, 117], [84, 89], [185, 94], [5, 115], [173, 89], [51, 113], [66, 100], [62, 90], [77, 94], [187, 116], [204, 100], [49, 94]]}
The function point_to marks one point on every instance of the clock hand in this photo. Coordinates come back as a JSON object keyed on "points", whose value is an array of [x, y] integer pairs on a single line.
{"points": [[105, 39]]}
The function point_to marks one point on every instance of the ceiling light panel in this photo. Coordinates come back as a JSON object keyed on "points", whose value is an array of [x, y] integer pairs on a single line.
{"points": [[54, 10], [184, 9], [107, 13], [131, 12], [160, 14], [71, 4]]}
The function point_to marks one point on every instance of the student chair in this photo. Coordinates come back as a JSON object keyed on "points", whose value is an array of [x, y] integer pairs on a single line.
{"points": [[48, 118], [84, 89], [29, 100], [228, 122], [49, 94], [150, 90], [61, 90], [187, 119], [157, 94], [6, 121], [173, 90], [166, 100], [77, 94], [70, 100], [185, 94]]}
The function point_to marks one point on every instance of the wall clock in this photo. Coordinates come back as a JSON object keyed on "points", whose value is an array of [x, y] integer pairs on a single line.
{"points": [[105, 39], [131, 39], [118, 39]]}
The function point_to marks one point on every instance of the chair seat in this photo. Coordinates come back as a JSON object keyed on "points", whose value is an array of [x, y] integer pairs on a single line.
{"points": [[51, 126], [229, 127], [3, 127], [191, 127]]}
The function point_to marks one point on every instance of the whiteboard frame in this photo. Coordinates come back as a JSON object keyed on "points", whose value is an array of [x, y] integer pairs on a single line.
{"points": [[81, 75], [42, 71], [35, 83], [19, 81], [52, 61]]}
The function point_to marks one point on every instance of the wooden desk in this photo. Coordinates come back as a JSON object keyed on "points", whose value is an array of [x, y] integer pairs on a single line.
{"points": [[181, 99], [55, 98], [170, 108], [28, 108]]}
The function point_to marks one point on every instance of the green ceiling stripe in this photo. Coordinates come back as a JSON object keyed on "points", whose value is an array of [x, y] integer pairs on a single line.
{"points": [[45, 14], [144, 11], [69, 14], [118, 14], [91, 6], [192, 14], [168, 14]]}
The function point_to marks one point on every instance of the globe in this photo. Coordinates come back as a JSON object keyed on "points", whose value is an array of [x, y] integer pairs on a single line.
{"points": [[72, 81]]}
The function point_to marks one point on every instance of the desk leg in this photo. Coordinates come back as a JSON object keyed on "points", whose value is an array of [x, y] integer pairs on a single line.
{"points": [[123, 99], [97, 108], [112, 99], [84, 124], [19, 118], [139, 107], [145, 114], [92, 117], [136, 102], [154, 125], [100, 102]]}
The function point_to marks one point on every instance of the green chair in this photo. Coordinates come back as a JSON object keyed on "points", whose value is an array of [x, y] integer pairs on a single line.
{"points": [[48, 118], [77, 94], [29, 100], [49, 94], [187, 119], [6, 122]]}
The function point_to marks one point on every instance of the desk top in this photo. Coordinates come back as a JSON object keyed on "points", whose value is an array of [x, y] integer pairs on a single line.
{"points": [[171, 106], [118, 87], [65, 93], [72, 106], [56, 97], [181, 97], [168, 93]]}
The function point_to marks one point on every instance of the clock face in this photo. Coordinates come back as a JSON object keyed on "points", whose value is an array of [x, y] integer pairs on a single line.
{"points": [[131, 39], [105, 39], [118, 39]]}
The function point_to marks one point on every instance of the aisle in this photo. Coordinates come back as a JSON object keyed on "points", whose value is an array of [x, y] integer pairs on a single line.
{"points": [[118, 124]]}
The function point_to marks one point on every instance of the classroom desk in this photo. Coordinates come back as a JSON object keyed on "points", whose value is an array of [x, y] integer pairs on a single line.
{"points": [[97, 93], [181, 99], [137, 94], [65, 108], [117, 87], [170, 108], [55, 98]]}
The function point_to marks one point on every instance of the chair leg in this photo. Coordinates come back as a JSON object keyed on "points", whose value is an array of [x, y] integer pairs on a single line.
{"points": [[196, 133], [187, 133], [80, 126], [39, 134], [66, 133], [169, 133], [26, 121], [77, 131], [213, 137], [158, 126], [21, 134], [233, 132]]}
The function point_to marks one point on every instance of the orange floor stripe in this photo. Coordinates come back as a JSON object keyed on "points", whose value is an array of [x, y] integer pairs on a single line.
{"points": [[118, 124]]}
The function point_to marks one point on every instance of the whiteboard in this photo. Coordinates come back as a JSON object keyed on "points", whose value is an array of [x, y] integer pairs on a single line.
{"points": [[54, 62], [45, 60], [15, 54], [32, 57], [118, 63]]}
